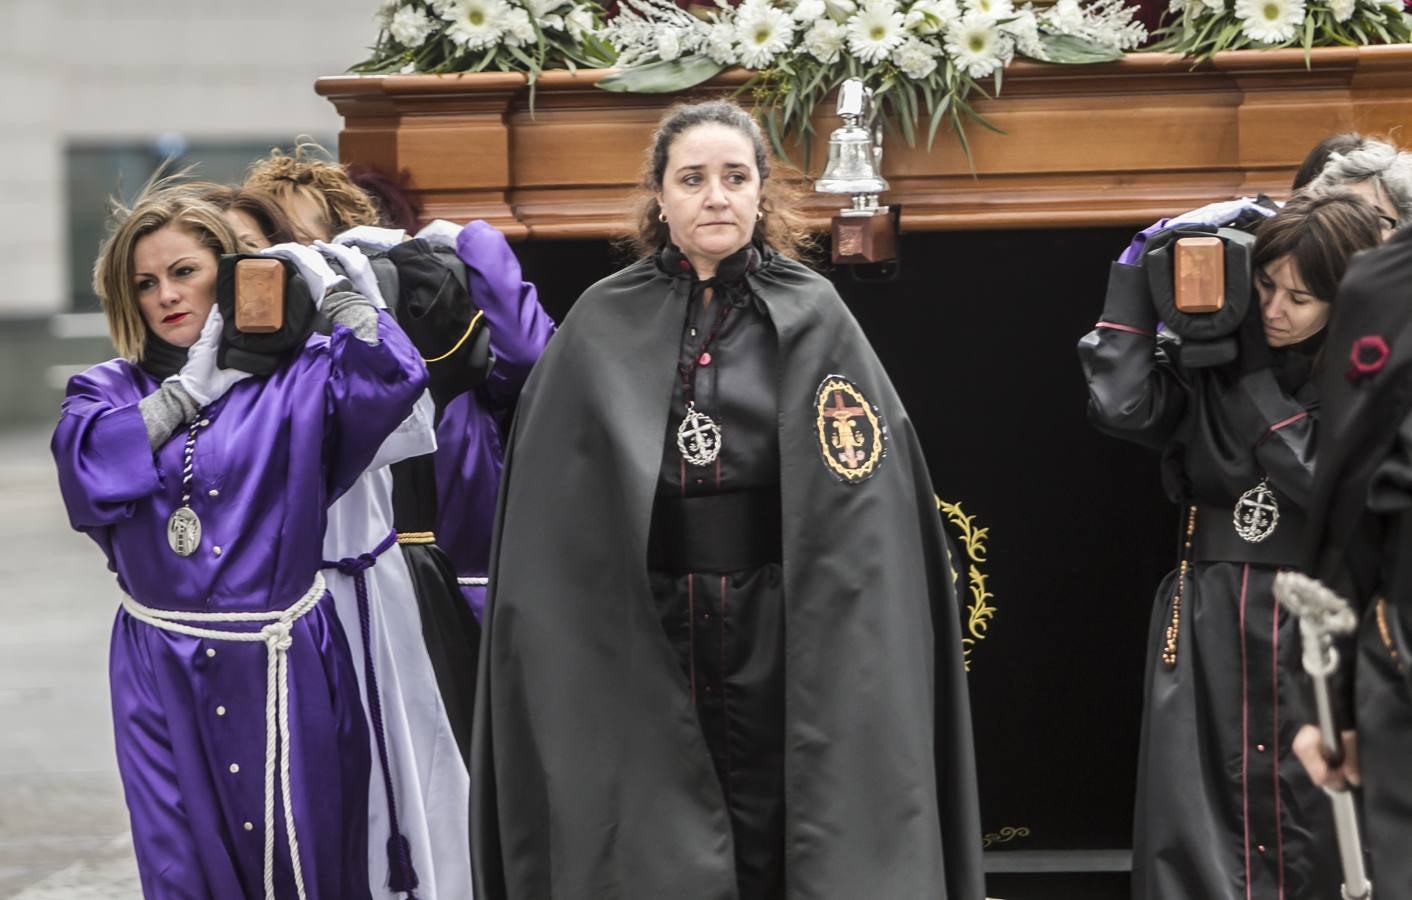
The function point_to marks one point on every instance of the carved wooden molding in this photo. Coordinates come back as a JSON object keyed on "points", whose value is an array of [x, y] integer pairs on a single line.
{"points": [[1121, 143]]}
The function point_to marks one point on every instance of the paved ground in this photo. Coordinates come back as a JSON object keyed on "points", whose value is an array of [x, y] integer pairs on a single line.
{"points": [[63, 826]]}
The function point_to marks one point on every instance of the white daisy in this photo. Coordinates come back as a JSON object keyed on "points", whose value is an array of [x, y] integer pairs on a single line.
{"points": [[875, 31], [476, 24], [809, 11], [579, 22], [668, 44], [932, 16], [763, 32], [824, 41], [410, 26], [519, 30], [720, 44], [1342, 9], [1270, 21], [997, 9], [977, 45], [916, 59]]}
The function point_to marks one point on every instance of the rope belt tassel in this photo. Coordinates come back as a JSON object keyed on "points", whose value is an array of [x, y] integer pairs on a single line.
{"points": [[276, 636], [402, 876]]}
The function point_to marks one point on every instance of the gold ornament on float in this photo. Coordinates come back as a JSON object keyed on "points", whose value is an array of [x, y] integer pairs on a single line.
{"points": [[1004, 836], [979, 610]]}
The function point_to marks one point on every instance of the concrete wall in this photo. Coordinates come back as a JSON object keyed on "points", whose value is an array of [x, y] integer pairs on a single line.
{"points": [[95, 71], [100, 70]]}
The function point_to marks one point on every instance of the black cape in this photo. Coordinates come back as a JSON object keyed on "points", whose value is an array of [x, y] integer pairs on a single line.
{"points": [[591, 777]]}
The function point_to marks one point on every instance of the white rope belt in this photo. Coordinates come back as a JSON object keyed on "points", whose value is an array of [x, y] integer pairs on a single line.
{"points": [[473, 581], [276, 637]]}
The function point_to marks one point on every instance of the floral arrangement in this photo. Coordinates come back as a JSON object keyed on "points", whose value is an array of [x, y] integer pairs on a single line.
{"points": [[475, 35], [912, 52], [1204, 27]]}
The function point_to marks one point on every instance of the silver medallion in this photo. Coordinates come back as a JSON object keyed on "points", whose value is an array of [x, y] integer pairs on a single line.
{"points": [[184, 531], [698, 437], [1257, 512]]}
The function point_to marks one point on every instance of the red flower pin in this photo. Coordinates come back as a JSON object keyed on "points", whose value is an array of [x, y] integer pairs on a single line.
{"points": [[1367, 358]]}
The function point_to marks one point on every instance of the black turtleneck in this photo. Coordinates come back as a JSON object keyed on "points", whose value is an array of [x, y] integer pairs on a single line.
{"points": [[161, 359]]}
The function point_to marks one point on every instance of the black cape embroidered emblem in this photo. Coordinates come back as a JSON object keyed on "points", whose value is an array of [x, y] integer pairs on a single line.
{"points": [[852, 436]]}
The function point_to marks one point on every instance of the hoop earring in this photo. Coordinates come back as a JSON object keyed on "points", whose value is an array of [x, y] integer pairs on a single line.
{"points": [[662, 217]]}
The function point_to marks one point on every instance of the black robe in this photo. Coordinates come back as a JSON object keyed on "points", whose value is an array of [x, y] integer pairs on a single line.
{"points": [[1223, 807], [591, 774], [1360, 541]]}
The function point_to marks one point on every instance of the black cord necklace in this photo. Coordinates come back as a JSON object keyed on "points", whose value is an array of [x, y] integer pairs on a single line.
{"points": [[698, 435]]}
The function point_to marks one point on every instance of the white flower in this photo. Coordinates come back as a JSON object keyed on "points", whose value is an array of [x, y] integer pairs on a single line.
{"points": [[1067, 17], [442, 7], [1024, 29], [579, 22], [476, 24], [763, 31], [519, 30], [668, 44], [809, 11], [720, 44], [977, 45], [932, 16], [410, 26], [1177, 6], [875, 31], [1270, 21], [824, 41], [998, 9], [385, 10], [1342, 9], [916, 59], [1215, 6], [840, 10], [541, 8]]}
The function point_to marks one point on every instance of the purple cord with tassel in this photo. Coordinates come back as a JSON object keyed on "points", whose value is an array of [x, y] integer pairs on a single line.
{"points": [[402, 877]]}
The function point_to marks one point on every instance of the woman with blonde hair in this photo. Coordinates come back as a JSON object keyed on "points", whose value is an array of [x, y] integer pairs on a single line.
{"points": [[241, 746], [317, 194]]}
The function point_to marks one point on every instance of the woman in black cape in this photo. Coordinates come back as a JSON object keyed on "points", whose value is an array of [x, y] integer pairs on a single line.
{"points": [[1223, 808], [722, 654]]}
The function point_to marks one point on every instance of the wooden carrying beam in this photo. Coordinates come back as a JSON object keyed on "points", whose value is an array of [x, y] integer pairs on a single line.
{"points": [[1115, 144]]}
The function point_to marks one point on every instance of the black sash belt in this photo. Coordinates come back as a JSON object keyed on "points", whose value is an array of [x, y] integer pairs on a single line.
{"points": [[715, 533], [1216, 539]]}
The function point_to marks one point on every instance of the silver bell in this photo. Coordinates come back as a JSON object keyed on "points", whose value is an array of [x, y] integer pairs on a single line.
{"points": [[853, 155]]}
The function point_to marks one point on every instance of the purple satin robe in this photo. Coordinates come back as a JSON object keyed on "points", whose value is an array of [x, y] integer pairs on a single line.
{"points": [[470, 452], [189, 714]]}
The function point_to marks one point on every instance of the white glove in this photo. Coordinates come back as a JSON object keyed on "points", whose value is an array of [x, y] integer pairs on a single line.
{"points": [[317, 274], [371, 237], [441, 233], [201, 377], [358, 269], [1223, 212]]}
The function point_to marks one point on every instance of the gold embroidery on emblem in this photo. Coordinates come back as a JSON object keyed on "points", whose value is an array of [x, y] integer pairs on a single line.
{"points": [[850, 435]]}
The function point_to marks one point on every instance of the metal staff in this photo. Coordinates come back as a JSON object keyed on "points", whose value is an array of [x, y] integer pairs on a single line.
{"points": [[1323, 614]]}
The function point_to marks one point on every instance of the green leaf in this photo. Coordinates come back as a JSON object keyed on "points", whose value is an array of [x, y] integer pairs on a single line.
{"points": [[1068, 49], [937, 113], [662, 77]]}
